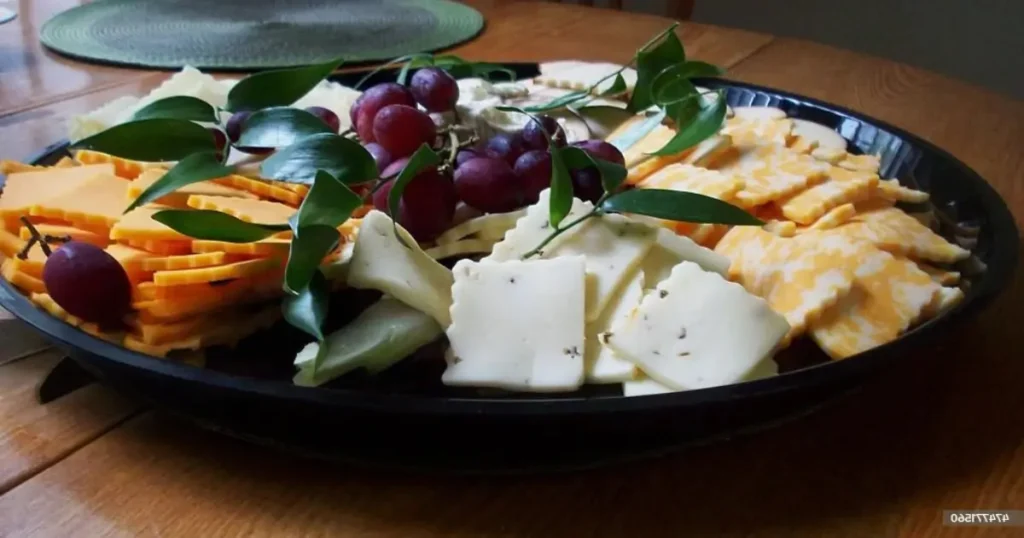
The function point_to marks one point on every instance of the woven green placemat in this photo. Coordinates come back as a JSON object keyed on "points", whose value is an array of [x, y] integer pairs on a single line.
{"points": [[256, 34]]}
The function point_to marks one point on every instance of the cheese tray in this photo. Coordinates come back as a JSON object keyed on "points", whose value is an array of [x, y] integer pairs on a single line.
{"points": [[421, 412]]}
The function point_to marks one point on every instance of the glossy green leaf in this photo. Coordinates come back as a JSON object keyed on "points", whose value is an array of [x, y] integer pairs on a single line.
{"points": [[612, 175], [560, 194], [634, 134], [278, 87], [617, 87], [307, 310], [192, 169], [309, 246], [328, 203], [278, 127], [559, 102], [182, 107], [216, 226], [706, 123], [154, 140], [649, 63], [423, 158], [678, 206], [340, 157]]}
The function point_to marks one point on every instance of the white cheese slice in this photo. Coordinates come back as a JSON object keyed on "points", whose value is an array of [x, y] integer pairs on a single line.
{"points": [[499, 222], [670, 249], [825, 137], [613, 246], [643, 385], [460, 248], [517, 325], [698, 330], [381, 262], [602, 365], [758, 112]]}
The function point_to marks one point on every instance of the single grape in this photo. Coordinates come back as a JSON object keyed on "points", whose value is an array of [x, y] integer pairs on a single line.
{"points": [[380, 155], [88, 282], [327, 116], [220, 140], [507, 147], [353, 111], [488, 184], [402, 129], [599, 149], [373, 100], [586, 184], [395, 167], [464, 155], [435, 89], [235, 124], [533, 134], [533, 169], [427, 206]]}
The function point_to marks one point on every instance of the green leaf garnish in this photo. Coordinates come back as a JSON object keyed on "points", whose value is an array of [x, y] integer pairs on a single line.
{"points": [[182, 107], [651, 60], [328, 203], [192, 169], [423, 158], [278, 127], [617, 87], [278, 87], [216, 226], [309, 246], [153, 140], [706, 123], [338, 156], [308, 309], [612, 175], [678, 206], [560, 195]]}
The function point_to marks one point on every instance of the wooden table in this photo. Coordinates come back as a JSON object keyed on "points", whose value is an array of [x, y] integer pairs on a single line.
{"points": [[884, 462]]}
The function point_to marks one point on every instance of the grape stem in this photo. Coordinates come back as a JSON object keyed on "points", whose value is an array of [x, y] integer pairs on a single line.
{"points": [[453, 150], [36, 238], [559, 231]]}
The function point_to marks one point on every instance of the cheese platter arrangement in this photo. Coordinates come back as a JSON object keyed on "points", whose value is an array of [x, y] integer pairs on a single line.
{"points": [[493, 267]]}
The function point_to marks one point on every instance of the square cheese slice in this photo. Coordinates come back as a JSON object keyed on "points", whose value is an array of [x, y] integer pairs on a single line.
{"points": [[612, 245], [518, 325], [670, 249], [179, 198], [698, 330], [381, 262], [602, 364]]}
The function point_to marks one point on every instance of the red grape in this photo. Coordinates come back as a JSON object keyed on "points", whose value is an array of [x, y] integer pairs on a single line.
{"points": [[380, 155], [533, 169], [327, 116], [375, 99], [427, 206], [464, 155], [395, 167], [533, 134], [402, 129], [586, 184], [354, 110], [599, 149], [488, 184], [220, 140], [235, 123], [507, 147], [435, 89], [88, 283]]}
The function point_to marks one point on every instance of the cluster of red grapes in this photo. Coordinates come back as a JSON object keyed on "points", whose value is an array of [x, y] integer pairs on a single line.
{"points": [[503, 173]]}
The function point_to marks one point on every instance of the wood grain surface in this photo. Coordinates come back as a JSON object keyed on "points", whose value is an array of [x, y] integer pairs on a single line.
{"points": [[941, 431]]}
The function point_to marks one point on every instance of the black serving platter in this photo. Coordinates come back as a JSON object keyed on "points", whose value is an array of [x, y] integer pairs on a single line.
{"points": [[405, 418]]}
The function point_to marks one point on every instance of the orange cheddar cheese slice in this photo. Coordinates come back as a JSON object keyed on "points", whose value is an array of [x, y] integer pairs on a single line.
{"points": [[231, 327], [175, 263], [138, 224], [890, 294], [866, 163], [22, 190], [754, 130], [63, 230], [65, 162], [803, 144], [835, 217], [136, 344], [298, 188], [258, 211], [771, 172], [154, 334], [261, 188], [123, 168], [271, 246], [97, 201], [942, 276], [179, 308], [148, 291], [807, 206], [829, 155], [161, 248], [179, 198], [891, 189], [47, 303], [947, 298], [20, 280], [10, 244], [228, 271], [689, 178], [8, 166], [893, 230], [781, 228]]}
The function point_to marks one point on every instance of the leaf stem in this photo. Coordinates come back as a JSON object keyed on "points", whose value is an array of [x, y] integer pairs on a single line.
{"points": [[36, 238], [559, 231], [453, 149]]}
